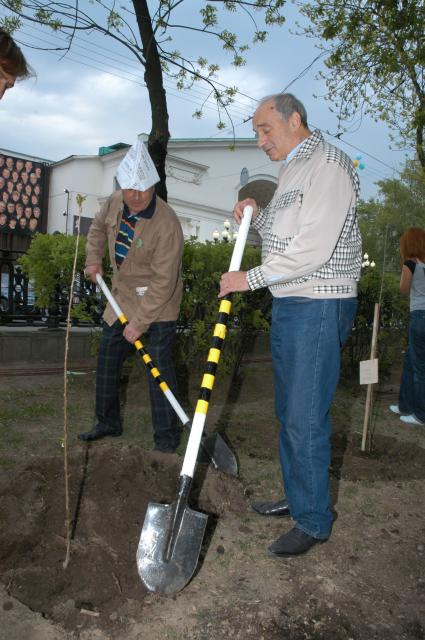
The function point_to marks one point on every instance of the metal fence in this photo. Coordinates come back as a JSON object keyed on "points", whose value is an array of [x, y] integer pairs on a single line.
{"points": [[17, 300]]}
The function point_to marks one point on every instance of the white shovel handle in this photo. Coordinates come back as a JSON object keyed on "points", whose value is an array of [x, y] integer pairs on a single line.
{"points": [[108, 295], [197, 430]]}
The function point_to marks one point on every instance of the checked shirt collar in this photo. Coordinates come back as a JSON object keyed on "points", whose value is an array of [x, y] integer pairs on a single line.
{"points": [[309, 145]]}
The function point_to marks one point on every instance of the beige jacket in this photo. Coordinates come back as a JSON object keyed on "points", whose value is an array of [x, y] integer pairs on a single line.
{"points": [[311, 239], [148, 285]]}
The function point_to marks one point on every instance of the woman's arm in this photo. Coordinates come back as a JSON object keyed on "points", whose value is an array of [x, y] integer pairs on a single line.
{"points": [[405, 280]]}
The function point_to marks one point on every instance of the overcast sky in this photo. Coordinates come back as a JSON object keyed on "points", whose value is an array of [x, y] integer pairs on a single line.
{"points": [[95, 96]]}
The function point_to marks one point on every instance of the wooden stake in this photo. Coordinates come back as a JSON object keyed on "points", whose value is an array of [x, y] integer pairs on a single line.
{"points": [[80, 200], [369, 394]]}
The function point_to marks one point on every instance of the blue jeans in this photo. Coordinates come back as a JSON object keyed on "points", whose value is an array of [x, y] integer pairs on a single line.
{"points": [[306, 339], [412, 387]]}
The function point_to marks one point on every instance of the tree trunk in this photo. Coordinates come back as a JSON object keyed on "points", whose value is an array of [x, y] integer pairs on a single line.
{"points": [[420, 146], [159, 135]]}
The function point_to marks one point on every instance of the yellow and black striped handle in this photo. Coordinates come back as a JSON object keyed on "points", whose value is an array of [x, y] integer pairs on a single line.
{"points": [[219, 335]]}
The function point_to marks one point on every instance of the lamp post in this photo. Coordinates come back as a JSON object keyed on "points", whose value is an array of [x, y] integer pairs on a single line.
{"points": [[368, 263], [66, 213], [226, 234]]}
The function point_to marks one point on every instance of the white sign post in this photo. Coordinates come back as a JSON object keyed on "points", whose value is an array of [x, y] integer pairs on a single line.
{"points": [[369, 375]]}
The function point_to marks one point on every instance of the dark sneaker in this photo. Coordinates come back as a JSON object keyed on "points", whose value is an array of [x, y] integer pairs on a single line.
{"points": [[293, 543], [99, 432]]}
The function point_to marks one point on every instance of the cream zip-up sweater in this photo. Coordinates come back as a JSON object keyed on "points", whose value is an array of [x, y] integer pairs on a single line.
{"points": [[311, 239]]}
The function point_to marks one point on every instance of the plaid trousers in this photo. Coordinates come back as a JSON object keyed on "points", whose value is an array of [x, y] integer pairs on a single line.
{"points": [[113, 350]]}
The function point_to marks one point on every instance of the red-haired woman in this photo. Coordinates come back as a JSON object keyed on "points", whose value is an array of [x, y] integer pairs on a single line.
{"points": [[412, 388]]}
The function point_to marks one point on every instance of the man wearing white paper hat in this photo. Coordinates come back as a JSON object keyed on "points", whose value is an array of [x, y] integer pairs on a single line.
{"points": [[145, 244]]}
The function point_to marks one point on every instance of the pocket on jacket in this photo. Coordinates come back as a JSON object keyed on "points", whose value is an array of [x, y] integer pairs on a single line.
{"points": [[286, 221]]}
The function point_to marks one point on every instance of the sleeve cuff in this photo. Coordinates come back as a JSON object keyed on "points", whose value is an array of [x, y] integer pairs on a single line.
{"points": [[255, 278]]}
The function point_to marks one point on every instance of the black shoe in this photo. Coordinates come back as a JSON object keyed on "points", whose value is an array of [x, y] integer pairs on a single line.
{"points": [[99, 432], [293, 543], [279, 508]]}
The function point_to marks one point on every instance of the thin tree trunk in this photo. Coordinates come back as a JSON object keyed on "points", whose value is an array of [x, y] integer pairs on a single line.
{"points": [[159, 135]]}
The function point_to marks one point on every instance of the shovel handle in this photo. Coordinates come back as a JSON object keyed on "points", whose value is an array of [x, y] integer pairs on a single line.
{"points": [[143, 353], [214, 354]]}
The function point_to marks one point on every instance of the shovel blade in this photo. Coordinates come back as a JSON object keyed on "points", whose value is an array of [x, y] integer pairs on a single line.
{"points": [[214, 449], [157, 573]]}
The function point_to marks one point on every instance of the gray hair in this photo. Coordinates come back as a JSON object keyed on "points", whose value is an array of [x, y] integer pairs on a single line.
{"points": [[286, 104]]}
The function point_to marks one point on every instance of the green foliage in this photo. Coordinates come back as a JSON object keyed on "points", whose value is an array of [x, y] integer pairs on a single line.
{"points": [[48, 264], [401, 205], [382, 222], [393, 321], [203, 265], [376, 61]]}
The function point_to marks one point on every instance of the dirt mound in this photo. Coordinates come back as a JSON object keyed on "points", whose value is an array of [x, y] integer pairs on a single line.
{"points": [[110, 488], [388, 459]]}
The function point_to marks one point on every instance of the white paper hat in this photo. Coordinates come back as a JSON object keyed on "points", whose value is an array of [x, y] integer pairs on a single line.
{"points": [[136, 170]]}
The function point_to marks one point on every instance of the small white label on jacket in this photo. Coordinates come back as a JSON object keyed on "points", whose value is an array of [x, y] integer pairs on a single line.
{"points": [[140, 291]]}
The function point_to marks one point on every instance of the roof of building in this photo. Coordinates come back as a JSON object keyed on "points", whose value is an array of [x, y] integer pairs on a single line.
{"points": [[24, 156]]}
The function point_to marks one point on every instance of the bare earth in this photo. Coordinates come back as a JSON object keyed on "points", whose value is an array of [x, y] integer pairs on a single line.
{"points": [[367, 582]]}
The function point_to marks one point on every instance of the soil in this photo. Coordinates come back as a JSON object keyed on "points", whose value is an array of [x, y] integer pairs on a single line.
{"points": [[366, 582]]}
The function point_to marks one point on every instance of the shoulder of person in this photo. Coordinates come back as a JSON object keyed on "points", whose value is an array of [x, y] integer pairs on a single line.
{"points": [[166, 211], [112, 202], [410, 264]]}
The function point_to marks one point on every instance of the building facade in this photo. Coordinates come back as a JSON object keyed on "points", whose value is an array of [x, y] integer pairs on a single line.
{"points": [[203, 182]]}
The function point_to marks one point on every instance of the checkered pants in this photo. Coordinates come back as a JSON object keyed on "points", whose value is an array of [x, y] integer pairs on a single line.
{"points": [[113, 350]]}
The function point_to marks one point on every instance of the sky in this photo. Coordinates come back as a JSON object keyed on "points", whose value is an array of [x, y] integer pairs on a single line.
{"points": [[95, 95]]}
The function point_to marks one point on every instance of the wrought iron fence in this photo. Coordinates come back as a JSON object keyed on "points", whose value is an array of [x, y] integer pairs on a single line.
{"points": [[17, 301]]}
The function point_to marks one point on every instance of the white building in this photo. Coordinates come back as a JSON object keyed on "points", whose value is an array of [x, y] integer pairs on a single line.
{"points": [[203, 182]]}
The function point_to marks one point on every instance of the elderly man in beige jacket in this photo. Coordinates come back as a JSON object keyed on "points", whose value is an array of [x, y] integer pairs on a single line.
{"points": [[311, 263], [145, 244]]}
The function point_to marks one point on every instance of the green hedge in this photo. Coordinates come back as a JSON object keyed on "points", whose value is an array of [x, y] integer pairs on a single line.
{"points": [[49, 263]]}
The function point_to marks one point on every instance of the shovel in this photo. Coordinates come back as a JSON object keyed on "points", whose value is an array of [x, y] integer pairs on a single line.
{"points": [[213, 447], [172, 534]]}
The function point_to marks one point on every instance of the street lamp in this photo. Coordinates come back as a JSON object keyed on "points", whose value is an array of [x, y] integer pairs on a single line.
{"points": [[226, 234], [66, 213], [368, 263]]}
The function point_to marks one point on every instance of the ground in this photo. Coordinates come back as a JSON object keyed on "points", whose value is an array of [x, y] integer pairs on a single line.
{"points": [[367, 582]]}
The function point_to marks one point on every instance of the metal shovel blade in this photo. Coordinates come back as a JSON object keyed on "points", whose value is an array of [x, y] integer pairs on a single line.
{"points": [[158, 573], [215, 449]]}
